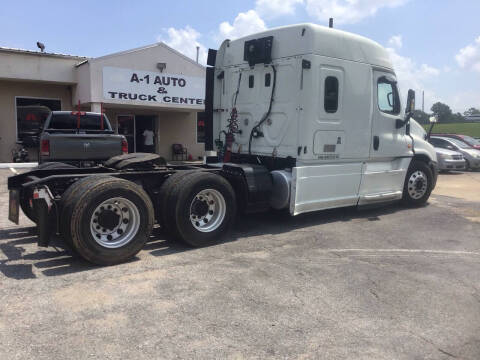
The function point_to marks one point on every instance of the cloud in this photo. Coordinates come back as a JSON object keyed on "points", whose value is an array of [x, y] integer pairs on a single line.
{"points": [[348, 11], [469, 56], [413, 76], [427, 71], [185, 41], [396, 41], [274, 8], [245, 23], [464, 100]]}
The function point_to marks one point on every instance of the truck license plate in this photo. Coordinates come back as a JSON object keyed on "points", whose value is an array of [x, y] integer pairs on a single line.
{"points": [[13, 208]]}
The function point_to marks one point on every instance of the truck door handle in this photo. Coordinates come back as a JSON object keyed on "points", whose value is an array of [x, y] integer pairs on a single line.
{"points": [[376, 142]]}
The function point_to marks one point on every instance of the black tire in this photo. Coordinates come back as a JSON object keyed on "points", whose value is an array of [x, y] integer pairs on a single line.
{"points": [[68, 201], [415, 191], [467, 165], [54, 165], [166, 216], [189, 189], [27, 194], [80, 212]]}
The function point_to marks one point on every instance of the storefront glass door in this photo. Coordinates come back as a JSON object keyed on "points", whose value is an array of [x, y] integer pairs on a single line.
{"points": [[145, 133], [126, 127], [139, 131]]}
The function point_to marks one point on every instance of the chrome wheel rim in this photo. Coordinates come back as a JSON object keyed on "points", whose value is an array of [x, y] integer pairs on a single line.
{"points": [[207, 210], [417, 184], [115, 222]]}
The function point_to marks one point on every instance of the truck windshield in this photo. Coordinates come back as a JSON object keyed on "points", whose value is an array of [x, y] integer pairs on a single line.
{"points": [[87, 122]]}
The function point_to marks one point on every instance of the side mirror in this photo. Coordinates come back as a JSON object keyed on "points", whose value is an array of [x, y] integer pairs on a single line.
{"points": [[433, 119], [408, 111], [410, 101]]}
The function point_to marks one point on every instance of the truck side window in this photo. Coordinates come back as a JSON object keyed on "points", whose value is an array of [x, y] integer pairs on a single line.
{"points": [[387, 96], [330, 102]]}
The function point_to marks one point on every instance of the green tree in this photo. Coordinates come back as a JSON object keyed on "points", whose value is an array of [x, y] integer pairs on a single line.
{"points": [[443, 112], [457, 118], [472, 111]]}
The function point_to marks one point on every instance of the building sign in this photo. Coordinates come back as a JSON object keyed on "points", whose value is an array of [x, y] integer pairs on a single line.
{"points": [[134, 86]]}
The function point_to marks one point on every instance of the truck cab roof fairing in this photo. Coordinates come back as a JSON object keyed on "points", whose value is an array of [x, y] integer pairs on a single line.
{"points": [[304, 39]]}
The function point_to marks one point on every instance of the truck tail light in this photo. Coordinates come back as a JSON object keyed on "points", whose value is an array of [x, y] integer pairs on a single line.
{"points": [[45, 148], [124, 146]]}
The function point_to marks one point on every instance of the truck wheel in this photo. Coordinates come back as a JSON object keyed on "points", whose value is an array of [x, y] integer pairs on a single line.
{"points": [[27, 194], [110, 220], [68, 201], [205, 208], [418, 184], [166, 217]]}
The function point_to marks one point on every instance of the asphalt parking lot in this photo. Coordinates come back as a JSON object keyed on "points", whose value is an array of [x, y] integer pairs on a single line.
{"points": [[387, 283]]}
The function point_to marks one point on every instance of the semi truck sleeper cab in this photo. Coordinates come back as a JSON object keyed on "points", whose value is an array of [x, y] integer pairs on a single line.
{"points": [[303, 118]]}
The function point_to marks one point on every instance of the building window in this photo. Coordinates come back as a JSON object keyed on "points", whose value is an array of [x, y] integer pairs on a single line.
{"points": [[387, 96], [201, 127], [330, 102], [31, 115]]}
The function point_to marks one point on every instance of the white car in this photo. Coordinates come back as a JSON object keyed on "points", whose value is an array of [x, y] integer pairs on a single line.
{"points": [[471, 155], [448, 160]]}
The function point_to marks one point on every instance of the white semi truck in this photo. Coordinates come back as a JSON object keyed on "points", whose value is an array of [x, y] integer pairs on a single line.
{"points": [[304, 118]]}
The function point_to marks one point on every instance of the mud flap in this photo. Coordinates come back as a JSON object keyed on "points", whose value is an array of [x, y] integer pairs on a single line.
{"points": [[46, 221], [13, 206]]}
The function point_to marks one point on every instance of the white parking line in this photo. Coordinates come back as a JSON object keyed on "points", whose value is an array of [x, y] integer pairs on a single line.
{"points": [[400, 251], [13, 170]]}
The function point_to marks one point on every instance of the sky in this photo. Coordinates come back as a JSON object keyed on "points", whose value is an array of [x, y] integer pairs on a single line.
{"points": [[434, 44]]}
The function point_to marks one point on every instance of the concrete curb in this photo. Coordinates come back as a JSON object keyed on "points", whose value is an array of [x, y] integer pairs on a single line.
{"points": [[18, 165]]}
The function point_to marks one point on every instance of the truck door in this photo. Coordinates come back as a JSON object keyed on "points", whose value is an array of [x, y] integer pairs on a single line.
{"points": [[390, 148], [334, 134]]}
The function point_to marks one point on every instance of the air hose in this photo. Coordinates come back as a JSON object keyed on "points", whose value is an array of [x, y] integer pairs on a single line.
{"points": [[256, 128]]}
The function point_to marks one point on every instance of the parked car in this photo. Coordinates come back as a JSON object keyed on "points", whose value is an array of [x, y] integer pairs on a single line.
{"points": [[464, 138], [471, 155], [448, 160], [30, 120], [79, 138]]}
